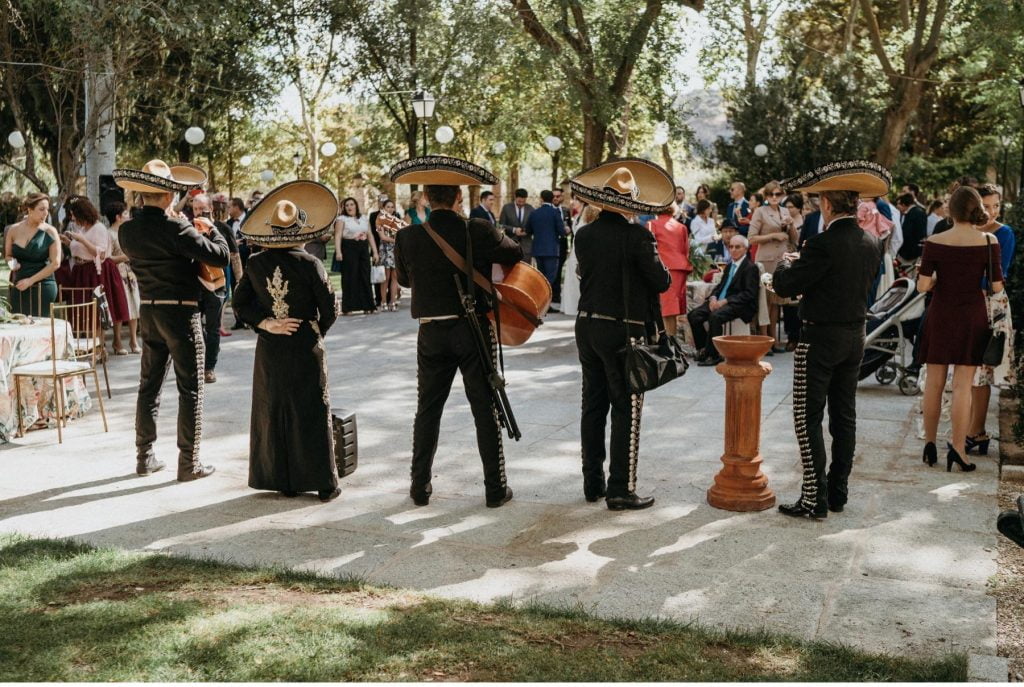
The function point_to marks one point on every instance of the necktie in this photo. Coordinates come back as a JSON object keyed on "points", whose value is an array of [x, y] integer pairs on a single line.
{"points": [[519, 213], [728, 281]]}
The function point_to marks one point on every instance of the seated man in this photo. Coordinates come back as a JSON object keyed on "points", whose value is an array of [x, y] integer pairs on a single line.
{"points": [[735, 296]]}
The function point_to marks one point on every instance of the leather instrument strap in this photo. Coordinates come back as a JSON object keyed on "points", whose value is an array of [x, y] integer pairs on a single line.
{"points": [[479, 279]]}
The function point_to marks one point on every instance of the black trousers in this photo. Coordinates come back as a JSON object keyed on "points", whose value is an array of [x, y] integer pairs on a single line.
{"points": [[171, 334], [716, 320], [825, 370], [211, 304], [604, 388], [443, 347]]}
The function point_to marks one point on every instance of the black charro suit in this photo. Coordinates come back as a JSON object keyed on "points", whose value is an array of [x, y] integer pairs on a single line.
{"points": [[165, 255], [834, 276], [446, 345], [740, 301], [604, 248]]}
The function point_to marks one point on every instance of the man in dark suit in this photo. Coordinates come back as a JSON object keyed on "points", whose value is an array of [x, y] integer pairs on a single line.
{"points": [[834, 274], [513, 221], [737, 214], [915, 227], [563, 244], [484, 209], [445, 342], [735, 296], [813, 224], [546, 226]]}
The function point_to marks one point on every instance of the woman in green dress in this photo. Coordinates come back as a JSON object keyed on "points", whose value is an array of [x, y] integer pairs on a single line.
{"points": [[32, 249]]}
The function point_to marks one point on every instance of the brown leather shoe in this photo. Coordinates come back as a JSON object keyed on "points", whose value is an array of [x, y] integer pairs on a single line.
{"points": [[198, 472]]}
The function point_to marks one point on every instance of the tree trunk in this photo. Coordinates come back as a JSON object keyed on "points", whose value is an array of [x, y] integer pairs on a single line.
{"points": [[554, 169], [905, 99], [99, 124], [666, 156], [594, 133], [474, 195], [513, 179]]}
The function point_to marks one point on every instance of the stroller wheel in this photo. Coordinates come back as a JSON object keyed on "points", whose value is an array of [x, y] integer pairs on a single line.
{"points": [[887, 373], [909, 385]]}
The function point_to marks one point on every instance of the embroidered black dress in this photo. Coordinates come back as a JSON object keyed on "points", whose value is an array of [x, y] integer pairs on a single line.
{"points": [[290, 445]]}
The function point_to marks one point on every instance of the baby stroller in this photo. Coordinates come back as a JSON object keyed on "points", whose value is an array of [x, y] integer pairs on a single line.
{"points": [[892, 326]]}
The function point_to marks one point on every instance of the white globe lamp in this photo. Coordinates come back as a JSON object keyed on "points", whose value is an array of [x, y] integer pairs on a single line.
{"points": [[267, 176], [499, 148], [16, 139], [328, 149], [195, 135], [553, 144], [760, 150], [246, 160], [444, 134]]}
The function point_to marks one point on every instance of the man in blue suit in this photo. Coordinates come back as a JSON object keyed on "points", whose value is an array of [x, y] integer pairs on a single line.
{"points": [[738, 213], [483, 210], [546, 226]]}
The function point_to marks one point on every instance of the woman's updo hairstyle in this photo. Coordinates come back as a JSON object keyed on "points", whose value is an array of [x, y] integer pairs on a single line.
{"points": [[965, 206], [34, 199]]}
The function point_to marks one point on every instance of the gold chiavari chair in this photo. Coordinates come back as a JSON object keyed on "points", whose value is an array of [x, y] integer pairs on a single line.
{"points": [[74, 295], [66, 360]]}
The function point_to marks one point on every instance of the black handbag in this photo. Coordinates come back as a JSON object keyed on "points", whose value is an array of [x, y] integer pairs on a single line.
{"points": [[649, 365], [996, 345]]}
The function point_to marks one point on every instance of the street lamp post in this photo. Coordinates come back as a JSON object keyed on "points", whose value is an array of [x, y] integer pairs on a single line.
{"points": [[1005, 141], [423, 105], [296, 161]]}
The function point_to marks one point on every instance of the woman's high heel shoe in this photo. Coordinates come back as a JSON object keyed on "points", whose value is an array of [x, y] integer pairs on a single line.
{"points": [[930, 455], [977, 442], [953, 457]]}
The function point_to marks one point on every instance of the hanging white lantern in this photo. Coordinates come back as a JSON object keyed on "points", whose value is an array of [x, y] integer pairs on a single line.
{"points": [[246, 160], [444, 134], [499, 148], [267, 176], [760, 150], [553, 144], [195, 135], [328, 149], [355, 141], [16, 139]]}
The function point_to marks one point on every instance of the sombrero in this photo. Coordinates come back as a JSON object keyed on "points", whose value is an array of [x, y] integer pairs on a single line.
{"points": [[869, 179], [291, 214], [440, 170], [157, 176], [628, 185]]}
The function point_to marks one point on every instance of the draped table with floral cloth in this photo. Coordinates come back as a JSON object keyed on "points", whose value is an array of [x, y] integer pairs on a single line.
{"points": [[30, 343]]}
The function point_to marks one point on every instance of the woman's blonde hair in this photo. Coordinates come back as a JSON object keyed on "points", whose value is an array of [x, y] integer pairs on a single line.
{"points": [[590, 213]]}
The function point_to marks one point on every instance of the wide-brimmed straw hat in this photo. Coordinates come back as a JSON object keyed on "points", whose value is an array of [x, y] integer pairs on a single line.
{"points": [[627, 186], [157, 176], [440, 170], [292, 214], [869, 179]]}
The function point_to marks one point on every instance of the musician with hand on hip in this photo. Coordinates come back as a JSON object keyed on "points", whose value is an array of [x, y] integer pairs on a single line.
{"points": [[447, 339]]}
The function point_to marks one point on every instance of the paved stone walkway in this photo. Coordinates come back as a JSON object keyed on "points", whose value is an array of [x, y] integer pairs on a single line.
{"points": [[904, 568]]}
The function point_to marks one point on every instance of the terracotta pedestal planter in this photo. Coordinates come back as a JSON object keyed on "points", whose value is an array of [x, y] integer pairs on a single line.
{"points": [[741, 486]]}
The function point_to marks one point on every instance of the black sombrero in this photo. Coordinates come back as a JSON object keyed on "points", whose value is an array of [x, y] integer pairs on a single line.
{"points": [[440, 170], [157, 176], [869, 179]]}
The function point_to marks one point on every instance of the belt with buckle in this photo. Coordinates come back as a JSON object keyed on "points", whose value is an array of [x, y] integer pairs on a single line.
{"points": [[193, 304], [598, 316], [438, 318]]}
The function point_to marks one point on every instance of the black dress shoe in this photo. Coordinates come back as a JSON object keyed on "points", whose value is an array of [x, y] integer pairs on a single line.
{"points": [[593, 492], [421, 497], [148, 466], [198, 472], [289, 494], [799, 510], [709, 361], [329, 494], [501, 500], [836, 507], [629, 502], [239, 325]]}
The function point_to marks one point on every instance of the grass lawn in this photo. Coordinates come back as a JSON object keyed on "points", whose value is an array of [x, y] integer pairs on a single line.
{"points": [[72, 612]]}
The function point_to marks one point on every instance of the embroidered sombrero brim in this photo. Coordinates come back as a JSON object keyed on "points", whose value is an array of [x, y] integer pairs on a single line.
{"points": [[654, 189], [440, 170], [868, 179], [317, 205], [184, 177]]}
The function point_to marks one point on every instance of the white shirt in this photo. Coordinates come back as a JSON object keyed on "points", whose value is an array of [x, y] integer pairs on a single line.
{"points": [[353, 226], [703, 230], [933, 220]]}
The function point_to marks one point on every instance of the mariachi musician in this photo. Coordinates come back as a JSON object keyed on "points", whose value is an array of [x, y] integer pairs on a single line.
{"points": [[446, 340], [610, 248], [166, 252]]}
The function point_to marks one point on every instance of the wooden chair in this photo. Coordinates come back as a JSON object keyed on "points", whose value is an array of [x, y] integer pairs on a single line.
{"points": [[74, 295], [65, 361]]}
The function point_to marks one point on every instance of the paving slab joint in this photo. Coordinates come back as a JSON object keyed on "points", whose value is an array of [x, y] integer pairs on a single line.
{"points": [[987, 668]]}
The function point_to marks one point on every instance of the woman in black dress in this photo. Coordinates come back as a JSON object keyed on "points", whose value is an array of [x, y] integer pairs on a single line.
{"points": [[956, 328], [286, 297], [353, 241]]}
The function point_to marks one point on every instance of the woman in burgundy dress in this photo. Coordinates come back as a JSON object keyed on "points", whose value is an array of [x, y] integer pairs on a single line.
{"points": [[955, 331]]}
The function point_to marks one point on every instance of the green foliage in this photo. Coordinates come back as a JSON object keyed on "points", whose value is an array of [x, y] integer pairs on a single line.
{"points": [[71, 612]]}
